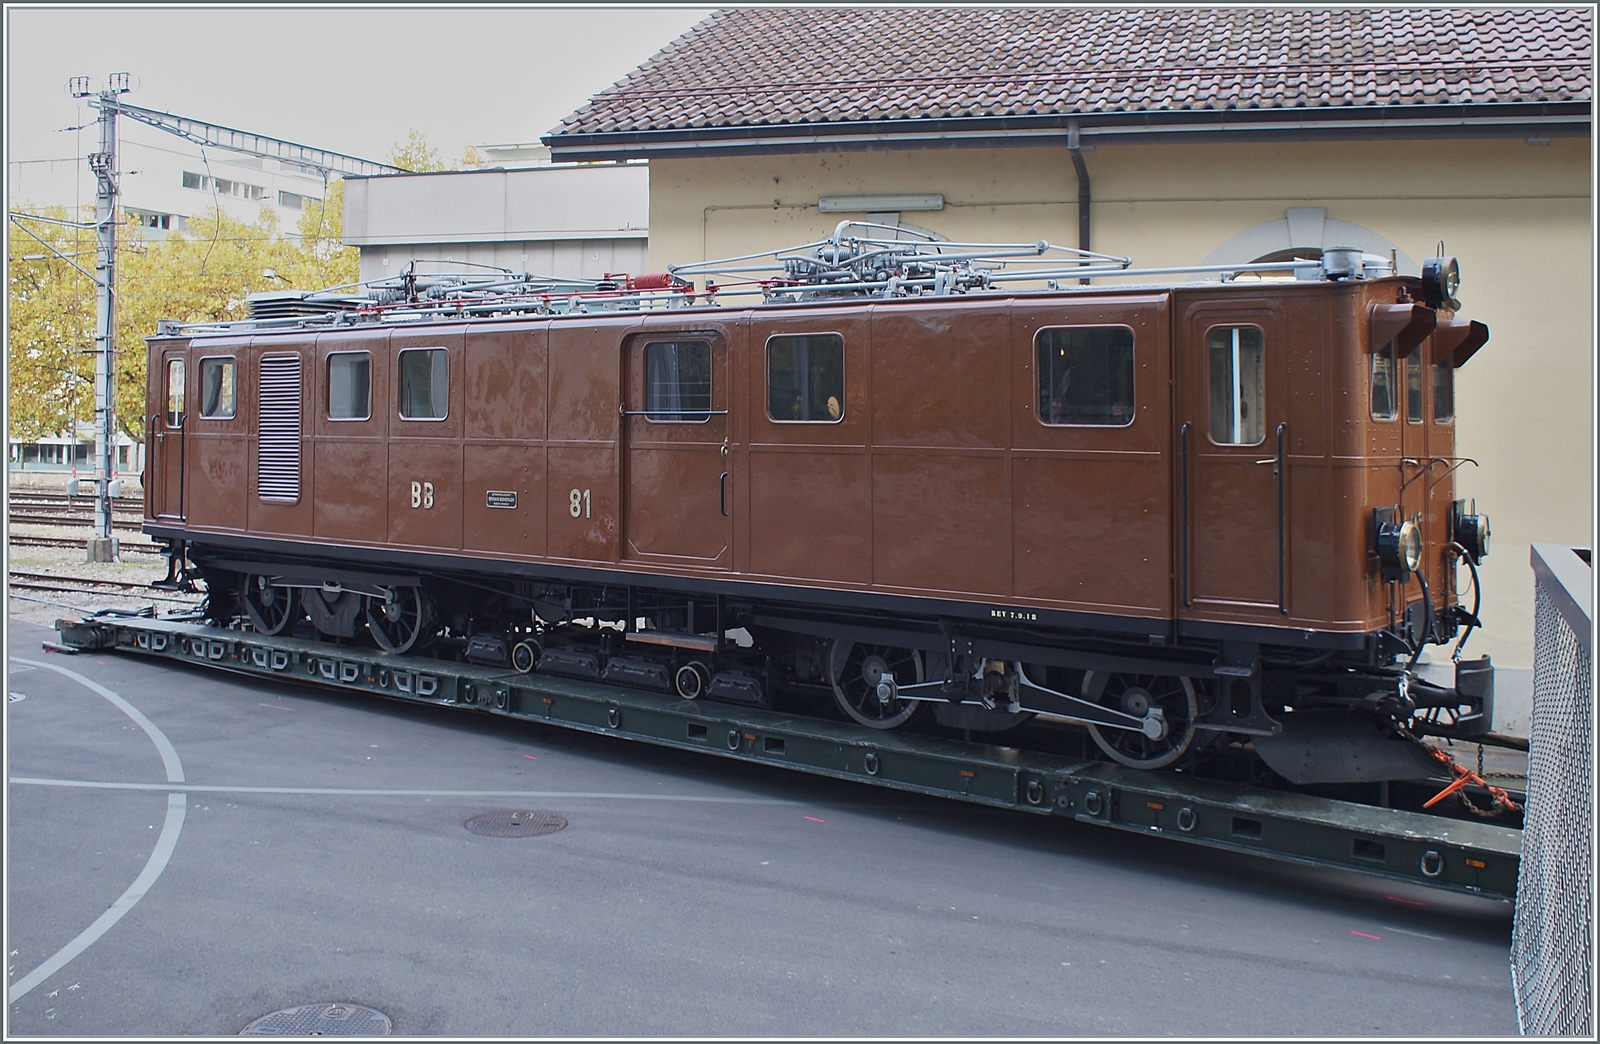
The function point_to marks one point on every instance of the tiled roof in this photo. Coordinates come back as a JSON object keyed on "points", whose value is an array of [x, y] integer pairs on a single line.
{"points": [[764, 69]]}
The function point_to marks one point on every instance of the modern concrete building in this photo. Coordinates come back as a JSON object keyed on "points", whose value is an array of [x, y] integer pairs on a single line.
{"points": [[71, 451], [579, 220], [1177, 136], [165, 179]]}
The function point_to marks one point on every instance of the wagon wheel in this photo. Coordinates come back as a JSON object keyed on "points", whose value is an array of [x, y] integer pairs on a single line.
{"points": [[271, 609], [1133, 694], [856, 670], [397, 619]]}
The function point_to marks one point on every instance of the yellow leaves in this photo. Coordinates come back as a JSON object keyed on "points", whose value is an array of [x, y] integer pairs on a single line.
{"points": [[49, 325], [415, 154], [204, 275]]}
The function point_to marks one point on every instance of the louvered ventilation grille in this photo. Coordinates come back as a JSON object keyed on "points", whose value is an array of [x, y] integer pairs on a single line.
{"points": [[278, 468]]}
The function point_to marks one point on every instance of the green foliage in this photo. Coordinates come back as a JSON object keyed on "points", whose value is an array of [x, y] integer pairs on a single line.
{"points": [[204, 275]]}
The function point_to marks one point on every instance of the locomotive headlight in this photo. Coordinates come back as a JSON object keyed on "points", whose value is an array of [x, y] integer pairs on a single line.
{"points": [[1441, 278], [1472, 533], [1399, 549]]}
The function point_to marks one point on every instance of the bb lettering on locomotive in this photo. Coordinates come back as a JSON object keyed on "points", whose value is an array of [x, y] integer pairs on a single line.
{"points": [[500, 498]]}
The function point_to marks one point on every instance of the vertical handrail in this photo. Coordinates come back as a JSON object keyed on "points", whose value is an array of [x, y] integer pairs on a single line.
{"points": [[1183, 515], [1279, 470], [152, 450]]}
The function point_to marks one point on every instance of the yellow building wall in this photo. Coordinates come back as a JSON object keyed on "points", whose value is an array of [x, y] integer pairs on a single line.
{"points": [[1517, 216]]}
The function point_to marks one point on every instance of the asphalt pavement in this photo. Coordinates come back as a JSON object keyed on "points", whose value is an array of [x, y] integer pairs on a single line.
{"points": [[315, 852]]}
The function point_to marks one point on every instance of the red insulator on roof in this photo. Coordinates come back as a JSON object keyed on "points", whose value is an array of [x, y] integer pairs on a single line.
{"points": [[652, 281]]}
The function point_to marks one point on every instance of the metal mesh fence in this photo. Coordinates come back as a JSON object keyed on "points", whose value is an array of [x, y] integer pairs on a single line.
{"points": [[1553, 934]]}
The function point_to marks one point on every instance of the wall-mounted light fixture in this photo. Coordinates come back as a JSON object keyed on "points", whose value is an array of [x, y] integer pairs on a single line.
{"points": [[878, 204]]}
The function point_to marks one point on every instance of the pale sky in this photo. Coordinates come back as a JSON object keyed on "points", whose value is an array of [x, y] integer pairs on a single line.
{"points": [[351, 79]]}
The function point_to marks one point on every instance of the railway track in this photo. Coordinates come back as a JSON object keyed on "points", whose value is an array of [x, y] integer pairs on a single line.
{"points": [[30, 519], [50, 582], [119, 505], [43, 541]]}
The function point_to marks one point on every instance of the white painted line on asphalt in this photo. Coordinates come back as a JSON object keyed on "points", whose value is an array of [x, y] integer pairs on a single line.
{"points": [[141, 884], [169, 756], [596, 795], [170, 829]]}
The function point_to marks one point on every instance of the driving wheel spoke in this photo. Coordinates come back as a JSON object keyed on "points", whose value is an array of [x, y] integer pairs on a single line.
{"points": [[865, 677], [1140, 695], [398, 618], [271, 609]]}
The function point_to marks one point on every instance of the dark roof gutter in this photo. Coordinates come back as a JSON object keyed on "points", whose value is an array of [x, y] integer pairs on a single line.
{"points": [[1495, 120]]}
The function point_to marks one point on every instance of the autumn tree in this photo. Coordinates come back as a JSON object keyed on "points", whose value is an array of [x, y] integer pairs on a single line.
{"points": [[49, 323], [416, 155], [205, 275]]}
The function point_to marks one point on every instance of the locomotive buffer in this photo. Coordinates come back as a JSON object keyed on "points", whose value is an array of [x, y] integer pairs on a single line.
{"points": [[1463, 856]]}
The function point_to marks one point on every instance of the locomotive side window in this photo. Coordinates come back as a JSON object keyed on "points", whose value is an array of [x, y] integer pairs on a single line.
{"points": [[1414, 387], [677, 381], [805, 378], [1238, 385], [1444, 391], [1384, 406], [350, 386], [1086, 375], [216, 389], [424, 383], [175, 393]]}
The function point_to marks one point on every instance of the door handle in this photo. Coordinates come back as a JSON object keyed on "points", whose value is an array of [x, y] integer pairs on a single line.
{"points": [[722, 494]]}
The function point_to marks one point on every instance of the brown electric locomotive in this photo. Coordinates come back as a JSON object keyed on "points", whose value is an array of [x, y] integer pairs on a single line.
{"points": [[946, 482]]}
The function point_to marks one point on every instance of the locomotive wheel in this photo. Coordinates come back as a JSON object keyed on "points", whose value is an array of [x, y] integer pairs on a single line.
{"points": [[271, 609], [397, 620], [1134, 694], [856, 671], [691, 680]]}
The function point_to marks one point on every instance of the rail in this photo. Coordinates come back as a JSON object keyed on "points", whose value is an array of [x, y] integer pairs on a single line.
{"points": [[1552, 944]]}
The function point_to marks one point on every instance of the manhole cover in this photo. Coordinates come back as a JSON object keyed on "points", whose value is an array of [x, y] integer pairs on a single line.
{"points": [[515, 824], [321, 1020]]}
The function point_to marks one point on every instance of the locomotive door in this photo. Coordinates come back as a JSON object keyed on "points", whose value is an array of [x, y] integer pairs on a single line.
{"points": [[676, 497], [166, 489], [1231, 435]]}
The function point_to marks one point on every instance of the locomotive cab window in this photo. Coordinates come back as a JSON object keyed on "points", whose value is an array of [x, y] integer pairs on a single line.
{"points": [[350, 386], [1384, 403], [175, 411], [805, 378], [424, 383], [216, 389], [677, 381], [1414, 387], [1238, 381], [1444, 391], [1086, 375]]}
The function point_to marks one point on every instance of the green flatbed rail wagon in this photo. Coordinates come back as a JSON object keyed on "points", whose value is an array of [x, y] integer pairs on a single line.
{"points": [[1478, 858]]}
